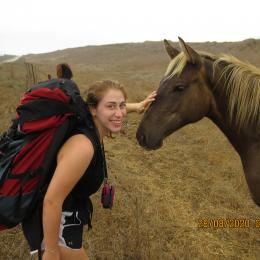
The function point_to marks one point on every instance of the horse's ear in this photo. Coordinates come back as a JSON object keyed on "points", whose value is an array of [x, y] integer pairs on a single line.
{"points": [[192, 56], [172, 52]]}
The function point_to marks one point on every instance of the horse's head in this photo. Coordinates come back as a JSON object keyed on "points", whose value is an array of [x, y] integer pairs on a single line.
{"points": [[183, 97]]}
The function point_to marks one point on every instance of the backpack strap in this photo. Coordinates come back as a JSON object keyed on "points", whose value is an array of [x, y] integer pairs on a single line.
{"points": [[82, 111]]}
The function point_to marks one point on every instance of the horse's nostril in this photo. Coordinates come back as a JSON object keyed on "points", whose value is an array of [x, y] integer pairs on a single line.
{"points": [[140, 136]]}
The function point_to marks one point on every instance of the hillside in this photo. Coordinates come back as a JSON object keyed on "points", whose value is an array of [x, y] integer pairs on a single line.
{"points": [[128, 53], [161, 196], [4, 58]]}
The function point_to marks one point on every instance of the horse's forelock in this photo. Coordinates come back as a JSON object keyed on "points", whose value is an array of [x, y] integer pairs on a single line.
{"points": [[176, 65]]}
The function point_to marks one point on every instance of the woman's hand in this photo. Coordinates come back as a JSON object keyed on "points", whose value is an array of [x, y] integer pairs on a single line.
{"points": [[141, 106], [146, 102]]}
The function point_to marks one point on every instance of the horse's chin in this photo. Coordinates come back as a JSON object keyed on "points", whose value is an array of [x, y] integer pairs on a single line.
{"points": [[154, 146], [157, 145]]}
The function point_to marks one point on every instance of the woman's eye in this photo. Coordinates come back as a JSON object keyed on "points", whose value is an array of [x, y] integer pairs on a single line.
{"points": [[122, 106], [111, 106]]}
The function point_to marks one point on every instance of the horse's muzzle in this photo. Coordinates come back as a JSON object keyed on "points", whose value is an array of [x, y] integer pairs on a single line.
{"points": [[143, 141]]}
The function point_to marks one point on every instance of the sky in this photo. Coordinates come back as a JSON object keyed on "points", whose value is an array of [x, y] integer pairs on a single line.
{"points": [[40, 26]]}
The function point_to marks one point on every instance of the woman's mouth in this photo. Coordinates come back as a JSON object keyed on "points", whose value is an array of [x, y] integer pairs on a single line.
{"points": [[116, 123]]}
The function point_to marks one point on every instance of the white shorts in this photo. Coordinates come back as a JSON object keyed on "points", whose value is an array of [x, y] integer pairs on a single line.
{"points": [[71, 231]]}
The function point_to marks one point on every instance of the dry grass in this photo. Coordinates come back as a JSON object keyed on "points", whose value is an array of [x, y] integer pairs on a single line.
{"points": [[161, 196]]}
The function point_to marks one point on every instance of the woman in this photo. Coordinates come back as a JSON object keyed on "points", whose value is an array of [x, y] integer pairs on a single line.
{"points": [[80, 172]]}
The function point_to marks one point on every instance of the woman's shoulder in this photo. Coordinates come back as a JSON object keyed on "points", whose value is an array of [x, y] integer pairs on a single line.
{"points": [[78, 145], [79, 139]]}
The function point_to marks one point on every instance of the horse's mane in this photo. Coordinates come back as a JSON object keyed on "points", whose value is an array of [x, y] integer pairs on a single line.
{"points": [[243, 90], [242, 86]]}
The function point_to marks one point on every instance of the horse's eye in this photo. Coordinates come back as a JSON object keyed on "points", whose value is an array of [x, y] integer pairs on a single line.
{"points": [[179, 88]]}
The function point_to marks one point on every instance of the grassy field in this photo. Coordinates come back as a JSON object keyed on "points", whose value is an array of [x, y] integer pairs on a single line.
{"points": [[163, 198]]}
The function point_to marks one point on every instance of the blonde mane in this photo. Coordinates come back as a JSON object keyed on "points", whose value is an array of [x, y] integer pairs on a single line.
{"points": [[242, 89], [242, 86]]}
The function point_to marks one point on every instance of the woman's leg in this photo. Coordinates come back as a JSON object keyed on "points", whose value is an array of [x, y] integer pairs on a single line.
{"points": [[72, 254], [70, 237]]}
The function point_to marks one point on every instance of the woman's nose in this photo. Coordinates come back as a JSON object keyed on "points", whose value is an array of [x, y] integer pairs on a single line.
{"points": [[119, 112]]}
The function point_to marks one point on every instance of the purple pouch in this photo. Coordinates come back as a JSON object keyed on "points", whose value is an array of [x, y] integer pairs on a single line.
{"points": [[107, 196]]}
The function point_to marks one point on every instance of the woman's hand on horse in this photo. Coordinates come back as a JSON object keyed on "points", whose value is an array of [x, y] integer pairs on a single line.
{"points": [[146, 102]]}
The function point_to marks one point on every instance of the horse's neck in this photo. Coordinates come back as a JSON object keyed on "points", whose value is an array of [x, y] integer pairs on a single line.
{"points": [[245, 142], [219, 113], [239, 139], [250, 158], [248, 148]]}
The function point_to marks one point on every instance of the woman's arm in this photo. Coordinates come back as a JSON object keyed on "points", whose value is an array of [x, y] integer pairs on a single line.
{"points": [[141, 106], [73, 160]]}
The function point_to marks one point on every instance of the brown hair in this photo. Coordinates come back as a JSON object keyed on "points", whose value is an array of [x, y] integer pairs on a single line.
{"points": [[97, 91]]}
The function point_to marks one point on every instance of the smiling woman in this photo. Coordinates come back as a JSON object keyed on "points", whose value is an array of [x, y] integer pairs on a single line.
{"points": [[79, 172], [107, 103]]}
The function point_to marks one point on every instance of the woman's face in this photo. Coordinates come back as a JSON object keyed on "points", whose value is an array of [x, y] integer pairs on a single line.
{"points": [[110, 112]]}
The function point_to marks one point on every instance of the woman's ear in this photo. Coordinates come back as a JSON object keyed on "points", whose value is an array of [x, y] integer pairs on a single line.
{"points": [[92, 111]]}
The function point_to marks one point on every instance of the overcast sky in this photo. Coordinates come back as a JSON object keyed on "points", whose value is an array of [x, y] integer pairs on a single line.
{"points": [[37, 26]]}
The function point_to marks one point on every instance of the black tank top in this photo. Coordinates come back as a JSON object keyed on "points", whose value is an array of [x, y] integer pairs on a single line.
{"points": [[90, 182]]}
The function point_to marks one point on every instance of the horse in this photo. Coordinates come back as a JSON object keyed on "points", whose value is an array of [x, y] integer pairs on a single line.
{"points": [[222, 88], [63, 70]]}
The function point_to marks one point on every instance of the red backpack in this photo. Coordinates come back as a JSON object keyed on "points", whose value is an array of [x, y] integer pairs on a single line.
{"points": [[47, 114]]}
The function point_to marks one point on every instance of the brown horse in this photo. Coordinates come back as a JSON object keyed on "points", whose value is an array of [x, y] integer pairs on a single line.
{"points": [[224, 89]]}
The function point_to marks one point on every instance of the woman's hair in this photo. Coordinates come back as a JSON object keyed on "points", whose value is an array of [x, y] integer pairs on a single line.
{"points": [[64, 71], [97, 91]]}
